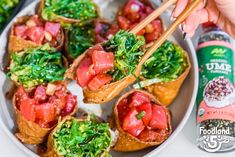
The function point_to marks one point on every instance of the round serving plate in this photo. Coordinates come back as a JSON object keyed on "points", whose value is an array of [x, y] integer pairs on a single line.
{"points": [[180, 109]]}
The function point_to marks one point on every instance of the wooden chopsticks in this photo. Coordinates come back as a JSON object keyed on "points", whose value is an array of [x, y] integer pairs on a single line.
{"points": [[168, 32], [152, 16]]}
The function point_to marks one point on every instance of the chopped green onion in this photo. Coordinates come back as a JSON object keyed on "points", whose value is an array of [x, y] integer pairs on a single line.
{"points": [[146, 83], [140, 115]]}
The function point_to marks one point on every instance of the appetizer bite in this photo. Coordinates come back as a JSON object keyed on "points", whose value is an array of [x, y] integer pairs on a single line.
{"points": [[37, 112], [79, 137], [31, 31], [79, 38], [68, 11], [165, 71], [36, 66], [104, 30], [103, 71], [141, 121], [133, 13]]}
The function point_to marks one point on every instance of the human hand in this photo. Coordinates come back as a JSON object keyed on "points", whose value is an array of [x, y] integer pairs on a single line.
{"points": [[220, 12]]}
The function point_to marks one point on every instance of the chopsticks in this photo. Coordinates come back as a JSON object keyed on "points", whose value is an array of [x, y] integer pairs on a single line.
{"points": [[152, 16], [168, 32]]}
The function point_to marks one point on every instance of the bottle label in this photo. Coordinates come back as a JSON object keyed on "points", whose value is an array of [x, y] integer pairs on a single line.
{"points": [[216, 93]]}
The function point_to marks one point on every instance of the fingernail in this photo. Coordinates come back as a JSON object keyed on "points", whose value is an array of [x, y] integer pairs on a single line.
{"points": [[183, 26], [185, 36]]}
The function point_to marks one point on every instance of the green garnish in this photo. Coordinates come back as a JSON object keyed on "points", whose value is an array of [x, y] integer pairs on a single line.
{"points": [[82, 139], [80, 39], [167, 63], [140, 115], [82, 10], [128, 51], [33, 67], [6, 8]]}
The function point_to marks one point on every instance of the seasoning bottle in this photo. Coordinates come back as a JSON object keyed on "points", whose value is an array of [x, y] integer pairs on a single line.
{"points": [[216, 93]]}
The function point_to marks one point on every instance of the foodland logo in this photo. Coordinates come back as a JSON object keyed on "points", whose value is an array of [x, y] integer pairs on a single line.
{"points": [[213, 138]]}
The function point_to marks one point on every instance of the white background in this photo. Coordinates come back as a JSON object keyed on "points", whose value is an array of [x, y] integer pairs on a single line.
{"points": [[184, 145]]}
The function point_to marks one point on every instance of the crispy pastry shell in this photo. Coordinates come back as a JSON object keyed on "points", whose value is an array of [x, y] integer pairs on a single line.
{"points": [[105, 93], [51, 151], [30, 132], [127, 142], [16, 44], [62, 19], [166, 92]]}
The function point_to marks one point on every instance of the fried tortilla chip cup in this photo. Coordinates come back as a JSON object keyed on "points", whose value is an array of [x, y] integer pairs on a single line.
{"points": [[52, 151], [31, 132], [166, 92], [105, 93], [62, 19], [17, 43], [125, 141]]}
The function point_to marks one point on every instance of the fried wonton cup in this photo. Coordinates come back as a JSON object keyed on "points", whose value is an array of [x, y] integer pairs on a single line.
{"points": [[17, 83], [62, 19], [51, 150], [93, 32], [105, 93], [30, 132], [16, 44], [166, 92], [127, 142]]}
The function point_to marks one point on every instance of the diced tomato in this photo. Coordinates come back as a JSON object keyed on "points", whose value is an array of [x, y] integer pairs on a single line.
{"points": [[27, 108], [123, 22], [97, 47], [35, 34], [159, 118], [134, 17], [45, 112], [139, 98], [133, 6], [143, 16], [102, 61], [156, 33], [148, 9], [151, 135], [98, 81], [131, 124], [99, 38], [20, 31], [147, 108], [149, 28], [85, 72], [152, 36], [123, 109], [141, 32], [36, 20], [52, 28], [40, 94], [21, 93], [58, 103], [111, 31], [71, 102], [158, 25]]}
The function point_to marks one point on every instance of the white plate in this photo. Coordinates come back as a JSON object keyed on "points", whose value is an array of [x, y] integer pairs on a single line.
{"points": [[180, 109]]}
